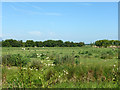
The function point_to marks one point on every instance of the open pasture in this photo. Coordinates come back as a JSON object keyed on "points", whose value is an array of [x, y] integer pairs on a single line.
{"points": [[59, 67]]}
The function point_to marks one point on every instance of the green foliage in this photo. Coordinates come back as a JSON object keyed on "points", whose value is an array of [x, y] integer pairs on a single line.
{"points": [[35, 64], [26, 78], [76, 67], [107, 55], [106, 43], [29, 43], [48, 43], [33, 55], [15, 60], [12, 43]]}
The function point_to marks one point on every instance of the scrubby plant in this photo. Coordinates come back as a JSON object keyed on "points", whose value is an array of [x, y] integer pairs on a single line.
{"points": [[35, 64], [77, 56], [33, 55], [106, 56], [15, 60]]}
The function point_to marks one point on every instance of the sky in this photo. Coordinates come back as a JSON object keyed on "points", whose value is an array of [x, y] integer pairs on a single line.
{"points": [[67, 21]]}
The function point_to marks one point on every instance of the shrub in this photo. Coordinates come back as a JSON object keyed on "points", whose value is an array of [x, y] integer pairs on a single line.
{"points": [[77, 56], [106, 56], [35, 64], [43, 56], [33, 55], [15, 60], [86, 52]]}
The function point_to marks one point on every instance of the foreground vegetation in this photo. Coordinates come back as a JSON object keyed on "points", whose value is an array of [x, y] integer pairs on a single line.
{"points": [[53, 67], [59, 67]]}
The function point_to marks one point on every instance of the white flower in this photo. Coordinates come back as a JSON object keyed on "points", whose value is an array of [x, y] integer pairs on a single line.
{"points": [[66, 72], [47, 57], [25, 68], [37, 54], [113, 78], [114, 65], [48, 64], [52, 64]]}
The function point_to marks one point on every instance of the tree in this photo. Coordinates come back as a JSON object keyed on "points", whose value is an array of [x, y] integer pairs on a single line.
{"points": [[29, 43], [80, 44], [39, 43]]}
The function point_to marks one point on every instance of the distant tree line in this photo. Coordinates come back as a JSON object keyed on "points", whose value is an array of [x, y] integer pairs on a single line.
{"points": [[48, 43], [107, 43], [56, 43]]}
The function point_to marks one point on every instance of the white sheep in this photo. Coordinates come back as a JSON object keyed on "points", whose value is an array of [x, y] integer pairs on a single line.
{"points": [[23, 48]]}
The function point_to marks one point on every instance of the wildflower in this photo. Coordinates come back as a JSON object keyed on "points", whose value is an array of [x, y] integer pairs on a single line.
{"points": [[52, 64], [47, 57], [38, 56], [113, 78], [48, 64], [66, 72], [25, 68], [31, 69], [114, 65]]}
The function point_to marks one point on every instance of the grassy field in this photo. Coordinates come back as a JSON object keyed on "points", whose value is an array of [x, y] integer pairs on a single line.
{"points": [[59, 67]]}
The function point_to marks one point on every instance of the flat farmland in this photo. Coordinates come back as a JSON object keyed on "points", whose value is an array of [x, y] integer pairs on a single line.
{"points": [[59, 67]]}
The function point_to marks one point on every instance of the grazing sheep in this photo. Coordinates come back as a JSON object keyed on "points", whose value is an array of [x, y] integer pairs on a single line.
{"points": [[23, 48]]}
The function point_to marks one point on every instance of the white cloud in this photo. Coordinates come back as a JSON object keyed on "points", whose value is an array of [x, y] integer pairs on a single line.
{"points": [[36, 33], [52, 34]]}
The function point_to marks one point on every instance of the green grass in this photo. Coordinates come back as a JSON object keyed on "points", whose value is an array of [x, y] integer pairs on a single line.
{"points": [[62, 67]]}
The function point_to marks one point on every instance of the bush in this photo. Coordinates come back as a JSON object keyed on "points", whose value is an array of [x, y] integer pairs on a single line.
{"points": [[77, 56], [35, 64], [107, 55], [33, 55], [15, 60]]}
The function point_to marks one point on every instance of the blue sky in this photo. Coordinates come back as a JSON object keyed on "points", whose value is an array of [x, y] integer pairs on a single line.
{"points": [[39, 21]]}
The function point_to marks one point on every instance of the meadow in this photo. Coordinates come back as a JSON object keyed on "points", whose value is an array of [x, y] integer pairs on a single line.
{"points": [[59, 67]]}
